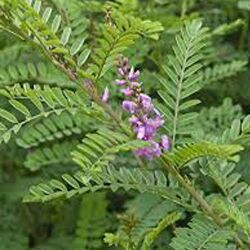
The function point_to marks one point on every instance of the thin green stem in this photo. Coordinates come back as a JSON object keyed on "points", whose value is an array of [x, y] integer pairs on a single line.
{"points": [[189, 187], [178, 97], [183, 8]]}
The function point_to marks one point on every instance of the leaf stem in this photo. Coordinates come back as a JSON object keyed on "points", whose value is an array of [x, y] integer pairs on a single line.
{"points": [[178, 97], [189, 187]]}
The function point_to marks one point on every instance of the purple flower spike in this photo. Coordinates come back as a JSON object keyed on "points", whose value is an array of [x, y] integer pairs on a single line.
{"points": [[145, 119], [129, 106], [105, 95]]}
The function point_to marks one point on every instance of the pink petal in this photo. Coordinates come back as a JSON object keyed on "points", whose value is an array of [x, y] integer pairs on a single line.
{"points": [[129, 106], [127, 91], [120, 82], [132, 76], [165, 142], [120, 72], [135, 84], [140, 132], [105, 95]]}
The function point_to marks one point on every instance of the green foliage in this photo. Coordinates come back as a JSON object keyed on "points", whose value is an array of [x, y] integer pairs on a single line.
{"points": [[244, 5], [11, 236], [110, 178], [115, 40], [221, 71], [201, 234], [46, 100], [53, 128], [41, 73], [153, 234], [238, 132], [182, 73], [117, 37], [181, 156], [92, 222], [234, 198], [57, 154], [235, 214], [37, 23], [94, 152], [212, 121], [141, 220]]}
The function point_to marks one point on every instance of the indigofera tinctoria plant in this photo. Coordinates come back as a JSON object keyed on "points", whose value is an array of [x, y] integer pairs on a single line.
{"points": [[173, 161]]}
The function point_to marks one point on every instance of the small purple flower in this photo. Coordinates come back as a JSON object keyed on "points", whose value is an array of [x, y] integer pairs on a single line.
{"points": [[133, 75], [143, 152], [150, 131], [127, 91], [145, 98], [120, 72], [105, 95], [165, 142], [157, 122], [129, 106], [156, 150], [134, 120], [149, 152], [120, 82], [141, 132], [146, 102], [134, 84]]}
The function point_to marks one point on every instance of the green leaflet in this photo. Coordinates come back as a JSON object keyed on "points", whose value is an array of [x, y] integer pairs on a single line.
{"points": [[183, 155], [47, 101], [201, 234], [8, 116], [182, 79], [140, 180], [83, 57], [92, 222], [20, 107], [65, 35], [243, 4]]}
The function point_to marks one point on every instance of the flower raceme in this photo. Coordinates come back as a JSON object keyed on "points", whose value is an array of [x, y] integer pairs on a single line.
{"points": [[145, 118]]}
